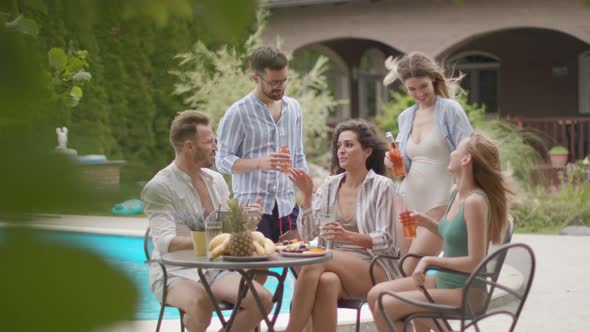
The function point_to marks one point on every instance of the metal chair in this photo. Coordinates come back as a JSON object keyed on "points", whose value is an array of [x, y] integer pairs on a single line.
{"points": [[149, 261], [484, 283], [507, 238], [163, 305]]}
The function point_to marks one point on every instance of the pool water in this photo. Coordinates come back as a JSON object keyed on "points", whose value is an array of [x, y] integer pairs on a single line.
{"points": [[126, 254]]}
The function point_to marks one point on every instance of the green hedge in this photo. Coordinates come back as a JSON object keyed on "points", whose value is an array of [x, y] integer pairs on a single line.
{"points": [[128, 104]]}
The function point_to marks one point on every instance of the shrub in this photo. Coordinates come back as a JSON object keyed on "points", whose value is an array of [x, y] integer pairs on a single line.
{"points": [[539, 209]]}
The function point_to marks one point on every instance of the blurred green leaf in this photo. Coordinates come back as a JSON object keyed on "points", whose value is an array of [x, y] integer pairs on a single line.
{"points": [[53, 287], [157, 10], [57, 58], [76, 64], [82, 76], [76, 91], [28, 26], [24, 25], [228, 18]]}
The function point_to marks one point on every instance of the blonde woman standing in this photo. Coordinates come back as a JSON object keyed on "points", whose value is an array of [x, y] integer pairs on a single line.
{"points": [[428, 132]]}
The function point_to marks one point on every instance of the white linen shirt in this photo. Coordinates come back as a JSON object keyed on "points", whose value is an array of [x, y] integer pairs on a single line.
{"points": [[247, 130], [375, 214], [171, 204]]}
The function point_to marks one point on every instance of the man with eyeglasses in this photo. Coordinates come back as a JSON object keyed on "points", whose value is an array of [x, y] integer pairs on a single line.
{"points": [[250, 135]]}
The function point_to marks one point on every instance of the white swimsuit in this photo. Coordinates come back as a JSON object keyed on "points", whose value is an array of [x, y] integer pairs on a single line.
{"points": [[428, 182]]}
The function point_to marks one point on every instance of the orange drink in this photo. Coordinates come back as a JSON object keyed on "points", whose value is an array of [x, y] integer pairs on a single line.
{"points": [[395, 156], [409, 224], [286, 165]]}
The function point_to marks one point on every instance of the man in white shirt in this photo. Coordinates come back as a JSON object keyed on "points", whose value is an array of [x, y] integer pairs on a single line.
{"points": [[180, 194]]}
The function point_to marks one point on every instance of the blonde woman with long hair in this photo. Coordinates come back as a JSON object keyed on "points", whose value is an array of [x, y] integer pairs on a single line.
{"points": [[428, 132], [476, 215]]}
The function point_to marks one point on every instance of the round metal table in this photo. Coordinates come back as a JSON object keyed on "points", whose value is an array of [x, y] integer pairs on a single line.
{"points": [[247, 269]]}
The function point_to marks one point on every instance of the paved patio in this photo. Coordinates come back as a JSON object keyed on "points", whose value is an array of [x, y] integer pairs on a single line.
{"points": [[559, 299]]}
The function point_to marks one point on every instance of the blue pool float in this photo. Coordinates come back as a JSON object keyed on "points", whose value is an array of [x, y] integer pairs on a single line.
{"points": [[129, 207]]}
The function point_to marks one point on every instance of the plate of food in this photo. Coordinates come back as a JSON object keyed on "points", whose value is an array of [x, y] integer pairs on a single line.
{"points": [[291, 244], [245, 258], [303, 252]]}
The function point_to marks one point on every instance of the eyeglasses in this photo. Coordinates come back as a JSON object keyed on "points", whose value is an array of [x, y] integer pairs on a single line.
{"points": [[275, 84]]}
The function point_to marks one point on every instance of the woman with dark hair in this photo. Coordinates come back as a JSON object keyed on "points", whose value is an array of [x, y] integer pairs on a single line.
{"points": [[359, 202]]}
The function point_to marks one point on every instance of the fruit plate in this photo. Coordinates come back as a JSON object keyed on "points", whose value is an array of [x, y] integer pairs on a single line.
{"points": [[245, 258], [303, 254]]}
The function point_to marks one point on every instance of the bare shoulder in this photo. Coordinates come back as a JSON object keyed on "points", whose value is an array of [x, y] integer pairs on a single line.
{"points": [[476, 200], [476, 207]]}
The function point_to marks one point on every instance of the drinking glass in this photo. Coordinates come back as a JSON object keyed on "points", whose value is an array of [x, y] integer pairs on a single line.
{"points": [[325, 218], [214, 225], [408, 222]]}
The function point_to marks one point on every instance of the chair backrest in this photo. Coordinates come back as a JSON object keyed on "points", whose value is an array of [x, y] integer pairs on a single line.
{"points": [[509, 284], [146, 244], [495, 264]]}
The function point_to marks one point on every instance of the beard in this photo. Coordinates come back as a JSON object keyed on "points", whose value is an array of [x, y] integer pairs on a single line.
{"points": [[275, 94], [203, 157]]}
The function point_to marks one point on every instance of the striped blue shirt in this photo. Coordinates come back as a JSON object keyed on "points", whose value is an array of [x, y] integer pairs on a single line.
{"points": [[247, 130]]}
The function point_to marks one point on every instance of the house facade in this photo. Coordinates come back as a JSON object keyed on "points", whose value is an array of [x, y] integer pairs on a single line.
{"points": [[527, 60]]}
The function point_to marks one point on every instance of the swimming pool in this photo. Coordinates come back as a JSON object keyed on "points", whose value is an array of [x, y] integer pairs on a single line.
{"points": [[126, 254]]}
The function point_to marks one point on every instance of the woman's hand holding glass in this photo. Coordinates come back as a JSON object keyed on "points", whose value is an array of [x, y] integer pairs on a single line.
{"points": [[333, 230], [419, 218]]}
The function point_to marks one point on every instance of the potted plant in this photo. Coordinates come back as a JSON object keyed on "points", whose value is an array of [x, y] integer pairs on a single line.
{"points": [[558, 155]]}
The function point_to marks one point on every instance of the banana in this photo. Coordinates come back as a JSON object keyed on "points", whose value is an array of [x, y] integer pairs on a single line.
{"points": [[217, 240], [219, 249], [257, 236], [269, 247], [259, 249]]}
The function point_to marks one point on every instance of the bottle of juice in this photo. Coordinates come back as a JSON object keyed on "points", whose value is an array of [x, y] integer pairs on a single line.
{"points": [[395, 156], [284, 148]]}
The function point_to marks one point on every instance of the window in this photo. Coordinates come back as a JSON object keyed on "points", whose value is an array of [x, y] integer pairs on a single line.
{"points": [[481, 77], [584, 83], [370, 73]]}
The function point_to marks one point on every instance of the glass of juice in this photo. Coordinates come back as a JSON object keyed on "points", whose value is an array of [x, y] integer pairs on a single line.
{"points": [[405, 218]]}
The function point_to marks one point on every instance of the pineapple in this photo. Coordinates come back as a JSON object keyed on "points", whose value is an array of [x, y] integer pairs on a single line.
{"points": [[241, 242]]}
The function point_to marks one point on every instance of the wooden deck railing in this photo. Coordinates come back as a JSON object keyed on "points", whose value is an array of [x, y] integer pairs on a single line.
{"points": [[571, 132]]}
